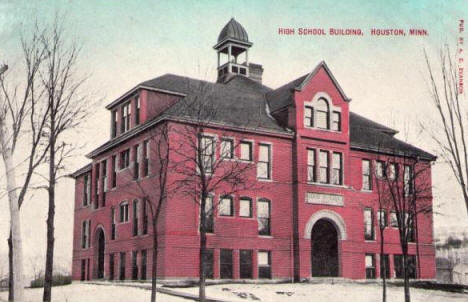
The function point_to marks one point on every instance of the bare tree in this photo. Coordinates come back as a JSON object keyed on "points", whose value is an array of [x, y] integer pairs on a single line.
{"points": [[20, 108], [199, 172], [67, 108], [450, 132]]}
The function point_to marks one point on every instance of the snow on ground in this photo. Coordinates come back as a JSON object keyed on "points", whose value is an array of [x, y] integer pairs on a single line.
{"points": [[77, 292], [341, 292]]}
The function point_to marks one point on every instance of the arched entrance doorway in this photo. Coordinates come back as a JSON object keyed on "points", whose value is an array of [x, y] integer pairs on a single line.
{"points": [[100, 248], [324, 246]]}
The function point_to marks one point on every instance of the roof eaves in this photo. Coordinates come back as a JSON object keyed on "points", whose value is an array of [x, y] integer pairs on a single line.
{"points": [[388, 151], [80, 171]]}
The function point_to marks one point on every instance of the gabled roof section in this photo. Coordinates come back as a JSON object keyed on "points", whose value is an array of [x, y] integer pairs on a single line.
{"points": [[81, 171], [283, 96]]}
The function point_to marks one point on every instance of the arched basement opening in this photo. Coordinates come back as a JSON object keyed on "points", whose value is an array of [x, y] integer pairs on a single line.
{"points": [[324, 249]]}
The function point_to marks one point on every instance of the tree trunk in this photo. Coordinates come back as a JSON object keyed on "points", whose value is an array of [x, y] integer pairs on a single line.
{"points": [[405, 273], [15, 225], [10, 270], [201, 287], [155, 263], [49, 266], [383, 274]]}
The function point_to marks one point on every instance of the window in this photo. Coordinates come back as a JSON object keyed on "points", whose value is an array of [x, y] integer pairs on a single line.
{"points": [[408, 180], [264, 161], [226, 206], [393, 220], [209, 263], [111, 266], [225, 264], [382, 216], [263, 217], [97, 188], [125, 117], [137, 110], [83, 269], [409, 220], [207, 149], [336, 121], [146, 153], [114, 124], [337, 172], [311, 166], [122, 266], [135, 217], [384, 266], [144, 260], [308, 116], [399, 266], [366, 175], [370, 266], [393, 171], [104, 181], [322, 114], [86, 189], [124, 212], [245, 207], [114, 171], [85, 226], [134, 265], [324, 178], [209, 214], [380, 169], [145, 217], [136, 162], [245, 264], [368, 224], [264, 264], [125, 159], [227, 148], [113, 223], [246, 151]]}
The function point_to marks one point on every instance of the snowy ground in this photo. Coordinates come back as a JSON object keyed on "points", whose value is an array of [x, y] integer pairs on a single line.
{"points": [[341, 292]]}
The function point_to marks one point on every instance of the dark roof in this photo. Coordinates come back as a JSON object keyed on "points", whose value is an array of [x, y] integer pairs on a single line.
{"points": [[81, 171], [233, 30]]}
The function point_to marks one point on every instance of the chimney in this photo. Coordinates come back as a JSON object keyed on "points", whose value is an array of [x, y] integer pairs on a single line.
{"points": [[256, 72]]}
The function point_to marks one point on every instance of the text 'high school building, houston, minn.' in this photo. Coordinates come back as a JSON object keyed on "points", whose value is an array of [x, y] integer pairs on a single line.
{"points": [[314, 212]]}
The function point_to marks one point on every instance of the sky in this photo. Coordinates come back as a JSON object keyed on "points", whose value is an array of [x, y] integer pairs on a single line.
{"points": [[127, 42]]}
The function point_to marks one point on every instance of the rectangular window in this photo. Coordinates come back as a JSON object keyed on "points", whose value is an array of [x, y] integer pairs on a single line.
{"points": [[85, 234], [111, 266], [83, 269], [366, 175], [393, 220], [370, 266], [209, 263], [86, 189], [311, 165], [122, 266], [409, 220], [137, 110], [227, 148], [97, 186], [336, 121], [225, 264], [264, 264], [209, 214], [263, 217], [368, 224], [207, 149], [114, 123], [145, 217], [135, 217], [264, 161], [393, 171], [408, 180], [246, 151], [146, 153], [324, 177], [124, 212], [399, 266], [384, 266], [144, 260], [113, 223], [134, 265], [245, 207], [245, 264], [136, 162], [337, 174], [104, 181], [382, 216], [380, 169], [125, 120], [114, 171], [226, 206], [124, 159], [308, 116]]}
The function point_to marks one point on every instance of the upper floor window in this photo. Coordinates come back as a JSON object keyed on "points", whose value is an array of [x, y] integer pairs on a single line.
{"points": [[124, 159], [209, 215], [85, 231], [226, 206], [408, 180], [245, 207], [393, 219], [136, 162], [124, 212], [393, 171], [125, 114], [379, 169], [311, 165], [246, 151], [382, 217], [135, 217], [114, 123], [104, 181], [264, 161], [336, 121], [324, 177], [322, 113], [207, 150], [86, 189], [337, 175], [227, 148], [146, 158], [263, 216], [366, 175], [368, 224], [309, 116], [113, 229], [114, 171], [137, 110]]}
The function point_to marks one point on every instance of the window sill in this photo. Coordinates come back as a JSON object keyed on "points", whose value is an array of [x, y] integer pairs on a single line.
{"points": [[322, 129], [264, 179], [266, 236], [370, 240], [325, 184], [226, 216], [366, 191]]}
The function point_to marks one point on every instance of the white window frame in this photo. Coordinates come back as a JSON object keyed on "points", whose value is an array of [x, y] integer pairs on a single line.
{"points": [[268, 163], [222, 150], [231, 206], [126, 217], [250, 201], [331, 108], [251, 143]]}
